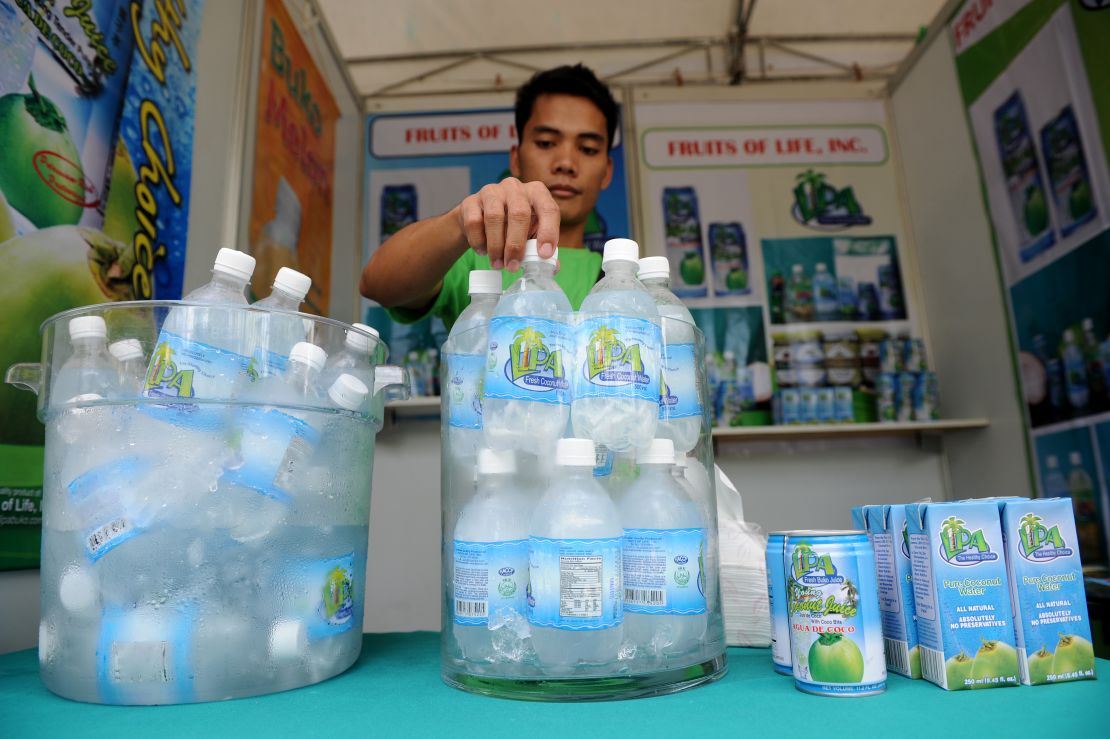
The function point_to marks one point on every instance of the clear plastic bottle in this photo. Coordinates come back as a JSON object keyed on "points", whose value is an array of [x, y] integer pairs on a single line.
{"points": [[465, 356], [680, 409], [575, 605], [201, 352], [825, 294], [355, 358], [526, 391], [274, 334], [616, 375], [490, 566], [1075, 372], [664, 559], [131, 366], [90, 369]]}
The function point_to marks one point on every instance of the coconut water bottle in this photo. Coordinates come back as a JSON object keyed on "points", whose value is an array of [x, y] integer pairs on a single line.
{"points": [[664, 559], [90, 369], [575, 606], [274, 334], [490, 574], [616, 376], [465, 357], [680, 408], [526, 391], [825, 293], [130, 365], [355, 358], [200, 353]]}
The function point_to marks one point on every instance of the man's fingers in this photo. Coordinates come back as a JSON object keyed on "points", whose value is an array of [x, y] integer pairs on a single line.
{"points": [[547, 217], [518, 212], [493, 217], [473, 225]]}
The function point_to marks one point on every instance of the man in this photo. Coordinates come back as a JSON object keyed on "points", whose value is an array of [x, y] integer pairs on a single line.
{"points": [[566, 120]]}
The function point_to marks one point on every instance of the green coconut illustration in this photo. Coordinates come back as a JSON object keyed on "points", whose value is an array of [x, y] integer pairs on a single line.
{"points": [[835, 659], [1036, 211], [120, 221], [995, 659], [1040, 665], [1073, 654], [958, 670], [736, 279], [50, 271], [7, 228], [40, 168], [915, 663], [692, 268], [1080, 200]]}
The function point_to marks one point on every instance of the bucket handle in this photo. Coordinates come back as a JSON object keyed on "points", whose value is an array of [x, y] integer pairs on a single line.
{"points": [[391, 381], [25, 376]]}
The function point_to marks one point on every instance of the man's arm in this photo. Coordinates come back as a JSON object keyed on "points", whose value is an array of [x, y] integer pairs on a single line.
{"points": [[407, 270]]}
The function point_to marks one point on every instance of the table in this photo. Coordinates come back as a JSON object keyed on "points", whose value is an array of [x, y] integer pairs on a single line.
{"points": [[395, 690]]}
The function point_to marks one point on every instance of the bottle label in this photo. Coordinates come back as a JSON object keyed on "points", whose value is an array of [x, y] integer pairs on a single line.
{"points": [[274, 447], [528, 360], [664, 571], [465, 373], [678, 387], [575, 584], [618, 357], [491, 579], [183, 368], [326, 596], [106, 537]]}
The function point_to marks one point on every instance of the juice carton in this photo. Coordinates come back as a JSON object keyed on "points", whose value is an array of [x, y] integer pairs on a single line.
{"points": [[962, 595], [887, 526], [1046, 590]]}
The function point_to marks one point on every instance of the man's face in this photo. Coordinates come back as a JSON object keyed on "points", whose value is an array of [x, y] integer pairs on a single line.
{"points": [[565, 145]]}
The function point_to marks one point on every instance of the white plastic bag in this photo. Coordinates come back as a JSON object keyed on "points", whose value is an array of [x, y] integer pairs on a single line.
{"points": [[743, 548]]}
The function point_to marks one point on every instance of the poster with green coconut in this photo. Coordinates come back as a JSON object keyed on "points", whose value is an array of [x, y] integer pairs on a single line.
{"points": [[89, 206]]}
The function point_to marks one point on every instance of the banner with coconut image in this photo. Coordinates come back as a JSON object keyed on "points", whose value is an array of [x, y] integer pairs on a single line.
{"points": [[96, 120], [1035, 79]]}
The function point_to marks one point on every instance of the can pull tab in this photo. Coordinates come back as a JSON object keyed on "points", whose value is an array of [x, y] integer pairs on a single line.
{"points": [[391, 381], [25, 376]]}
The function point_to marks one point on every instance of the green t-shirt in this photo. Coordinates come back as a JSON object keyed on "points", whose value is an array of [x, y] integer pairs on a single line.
{"points": [[578, 272]]}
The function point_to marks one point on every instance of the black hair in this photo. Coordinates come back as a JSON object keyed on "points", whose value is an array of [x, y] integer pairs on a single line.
{"points": [[577, 80]]}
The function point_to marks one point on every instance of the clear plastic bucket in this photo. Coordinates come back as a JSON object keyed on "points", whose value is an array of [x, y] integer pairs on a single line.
{"points": [[495, 640], [201, 542]]}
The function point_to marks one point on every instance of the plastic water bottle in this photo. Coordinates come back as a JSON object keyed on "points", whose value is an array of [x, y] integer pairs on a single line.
{"points": [[90, 369], [355, 358], [680, 409], [616, 376], [825, 295], [200, 353], [274, 334], [465, 355], [664, 559], [490, 571], [526, 391], [321, 499], [575, 606], [1075, 372], [131, 366]]}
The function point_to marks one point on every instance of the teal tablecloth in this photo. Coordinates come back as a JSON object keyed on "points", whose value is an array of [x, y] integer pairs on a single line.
{"points": [[395, 690]]}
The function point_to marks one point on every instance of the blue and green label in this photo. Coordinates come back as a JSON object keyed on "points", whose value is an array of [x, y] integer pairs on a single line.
{"points": [[529, 360], [490, 579], [618, 357], [464, 390], [776, 597], [664, 571], [575, 584], [185, 368], [678, 383]]}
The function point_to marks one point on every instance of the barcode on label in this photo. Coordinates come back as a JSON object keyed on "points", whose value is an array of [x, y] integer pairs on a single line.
{"points": [[897, 656], [471, 608], [932, 666], [645, 596]]}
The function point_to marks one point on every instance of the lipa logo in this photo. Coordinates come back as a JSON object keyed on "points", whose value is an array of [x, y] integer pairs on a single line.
{"points": [[905, 540], [962, 547], [164, 378], [819, 205], [1040, 543], [811, 568], [532, 365], [612, 362]]}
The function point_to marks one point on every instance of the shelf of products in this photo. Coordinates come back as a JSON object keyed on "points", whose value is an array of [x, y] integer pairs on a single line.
{"points": [[787, 433]]}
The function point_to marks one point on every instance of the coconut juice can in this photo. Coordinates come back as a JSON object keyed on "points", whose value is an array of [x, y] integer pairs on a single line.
{"points": [[776, 596], [833, 610]]}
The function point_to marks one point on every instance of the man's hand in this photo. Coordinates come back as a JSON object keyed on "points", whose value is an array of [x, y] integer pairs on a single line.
{"points": [[498, 219]]}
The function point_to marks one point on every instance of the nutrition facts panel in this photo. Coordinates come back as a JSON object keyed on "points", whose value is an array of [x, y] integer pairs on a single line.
{"points": [[580, 586]]}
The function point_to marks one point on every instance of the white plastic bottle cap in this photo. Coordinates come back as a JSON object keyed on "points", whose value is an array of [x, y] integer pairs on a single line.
{"points": [[126, 349], [292, 282], [236, 263], [620, 250], [1075, 458], [348, 392], [288, 639], [496, 462], [77, 590], [532, 253], [660, 451], [575, 453], [84, 327], [360, 342], [309, 354], [654, 267], [485, 282]]}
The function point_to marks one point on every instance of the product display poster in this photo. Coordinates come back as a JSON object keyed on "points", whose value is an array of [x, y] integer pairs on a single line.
{"points": [[424, 164], [294, 163], [794, 213], [1035, 79]]}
